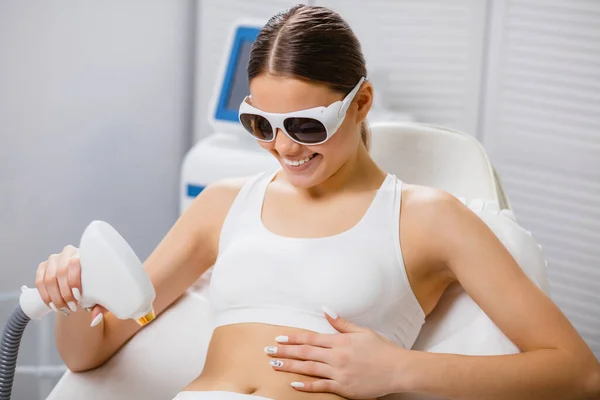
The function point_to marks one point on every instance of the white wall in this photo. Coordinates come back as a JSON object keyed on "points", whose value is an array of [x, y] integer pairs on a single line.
{"points": [[541, 126], [95, 117]]}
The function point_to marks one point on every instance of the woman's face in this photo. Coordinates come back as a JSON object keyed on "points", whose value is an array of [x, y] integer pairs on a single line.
{"points": [[277, 94]]}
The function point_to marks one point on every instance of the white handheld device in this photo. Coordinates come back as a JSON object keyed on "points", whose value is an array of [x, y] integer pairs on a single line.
{"points": [[111, 276]]}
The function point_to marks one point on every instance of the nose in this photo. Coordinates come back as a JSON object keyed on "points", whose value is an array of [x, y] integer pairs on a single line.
{"points": [[285, 145]]}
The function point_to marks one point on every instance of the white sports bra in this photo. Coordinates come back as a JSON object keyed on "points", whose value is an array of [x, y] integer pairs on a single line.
{"points": [[263, 277]]}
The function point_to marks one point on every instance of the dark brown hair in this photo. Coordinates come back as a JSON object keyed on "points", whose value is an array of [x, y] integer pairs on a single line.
{"points": [[311, 43]]}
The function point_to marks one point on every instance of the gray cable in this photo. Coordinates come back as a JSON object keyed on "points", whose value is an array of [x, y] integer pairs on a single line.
{"points": [[9, 349]]}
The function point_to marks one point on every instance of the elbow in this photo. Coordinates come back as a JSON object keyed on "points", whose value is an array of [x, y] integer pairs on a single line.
{"points": [[594, 387], [592, 383], [77, 362], [75, 368], [78, 366]]}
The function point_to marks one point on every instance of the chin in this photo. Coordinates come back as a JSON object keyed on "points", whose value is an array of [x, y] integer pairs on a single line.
{"points": [[304, 179], [307, 184]]}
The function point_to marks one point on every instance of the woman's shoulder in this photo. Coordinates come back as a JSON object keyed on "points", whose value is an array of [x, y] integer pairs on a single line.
{"points": [[227, 189], [220, 195], [215, 201], [429, 215], [434, 226], [437, 221], [428, 201]]}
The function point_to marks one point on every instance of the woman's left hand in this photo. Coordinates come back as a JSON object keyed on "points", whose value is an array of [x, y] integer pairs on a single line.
{"points": [[357, 363]]}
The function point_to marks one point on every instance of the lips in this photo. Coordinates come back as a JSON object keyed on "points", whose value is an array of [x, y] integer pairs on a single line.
{"points": [[297, 163]]}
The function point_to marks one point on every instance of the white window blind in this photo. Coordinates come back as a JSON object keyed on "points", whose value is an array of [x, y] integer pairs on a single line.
{"points": [[542, 129], [430, 50]]}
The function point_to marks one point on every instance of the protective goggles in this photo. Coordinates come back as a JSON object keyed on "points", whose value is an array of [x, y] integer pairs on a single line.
{"points": [[306, 127]]}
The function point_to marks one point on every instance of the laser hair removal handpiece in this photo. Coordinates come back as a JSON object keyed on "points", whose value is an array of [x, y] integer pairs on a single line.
{"points": [[111, 276]]}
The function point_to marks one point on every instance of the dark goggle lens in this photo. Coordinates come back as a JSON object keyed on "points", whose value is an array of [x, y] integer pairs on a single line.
{"points": [[257, 126], [305, 130]]}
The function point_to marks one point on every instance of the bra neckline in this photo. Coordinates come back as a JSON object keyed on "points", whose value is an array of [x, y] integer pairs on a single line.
{"points": [[348, 231]]}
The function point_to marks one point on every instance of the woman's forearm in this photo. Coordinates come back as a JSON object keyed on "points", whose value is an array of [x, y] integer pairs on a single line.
{"points": [[541, 374]]}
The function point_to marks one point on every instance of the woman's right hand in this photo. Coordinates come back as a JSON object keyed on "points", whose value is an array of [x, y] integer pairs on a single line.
{"points": [[58, 281]]}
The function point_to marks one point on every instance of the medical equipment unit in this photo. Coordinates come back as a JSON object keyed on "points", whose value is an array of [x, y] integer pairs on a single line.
{"points": [[229, 151], [416, 153], [111, 276]]}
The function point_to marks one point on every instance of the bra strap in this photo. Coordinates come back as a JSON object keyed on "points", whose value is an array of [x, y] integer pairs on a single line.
{"points": [[245, 205]]}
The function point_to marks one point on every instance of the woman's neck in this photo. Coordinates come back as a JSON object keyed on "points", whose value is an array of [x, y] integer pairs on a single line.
{"points": [[358, 173]]}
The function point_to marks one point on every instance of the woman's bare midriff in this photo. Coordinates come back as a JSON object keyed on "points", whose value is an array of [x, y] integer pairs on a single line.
{"points": [[236, 362]]}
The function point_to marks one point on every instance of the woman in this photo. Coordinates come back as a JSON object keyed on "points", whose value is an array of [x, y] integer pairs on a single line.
{"points": [[327, 233]]}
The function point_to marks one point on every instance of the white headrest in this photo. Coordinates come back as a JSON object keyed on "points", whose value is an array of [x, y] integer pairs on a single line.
{"points": [[433, 156]]}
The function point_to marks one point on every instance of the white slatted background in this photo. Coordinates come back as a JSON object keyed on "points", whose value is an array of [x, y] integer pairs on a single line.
{"points": [[432, 51], [215, 19], [542, 129]]}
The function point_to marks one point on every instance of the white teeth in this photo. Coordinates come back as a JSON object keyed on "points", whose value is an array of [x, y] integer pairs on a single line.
{"points": [[296, 163]]}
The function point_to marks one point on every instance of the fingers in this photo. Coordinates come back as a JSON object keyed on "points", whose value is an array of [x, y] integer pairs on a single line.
{"points": [[51, 282], [341, 324], [74, 276], [308, 368], [313, 339], [39, 283], [66, 264], [97, 315], [344, 326], [58, 280], [300, 352], [320, 386]]}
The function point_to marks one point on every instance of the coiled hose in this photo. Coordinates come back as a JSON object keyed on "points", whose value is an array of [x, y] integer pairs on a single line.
{"points": [[9, 349]]}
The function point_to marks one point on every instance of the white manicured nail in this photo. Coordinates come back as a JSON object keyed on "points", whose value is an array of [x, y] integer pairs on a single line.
{"points": [[297, 384], [276, 363], [329, 312], [76, 294], [281, 339], [96, 320], [72, 306], [271, 350], [53, 307]]}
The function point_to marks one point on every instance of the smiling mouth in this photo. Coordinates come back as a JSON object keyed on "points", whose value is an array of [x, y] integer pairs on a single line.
{"points": [[297, 163]]}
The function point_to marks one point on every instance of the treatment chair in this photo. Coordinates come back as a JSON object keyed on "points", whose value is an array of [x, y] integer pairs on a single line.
{"points": [[170, 352]]}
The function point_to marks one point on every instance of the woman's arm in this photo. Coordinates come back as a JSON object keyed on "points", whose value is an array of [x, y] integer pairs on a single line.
{"points": [[555, 362], [186, 252]]}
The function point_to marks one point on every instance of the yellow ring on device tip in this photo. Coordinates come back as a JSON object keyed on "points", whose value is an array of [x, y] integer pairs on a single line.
{"points": [[146, 318]]}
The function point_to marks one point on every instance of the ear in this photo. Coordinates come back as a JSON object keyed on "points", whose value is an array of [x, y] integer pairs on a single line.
{"points": [[364, 101]]}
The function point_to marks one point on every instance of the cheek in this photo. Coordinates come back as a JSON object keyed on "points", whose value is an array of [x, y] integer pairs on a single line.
{"points": [[268, 146], [339, 148], [343, 144]]}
